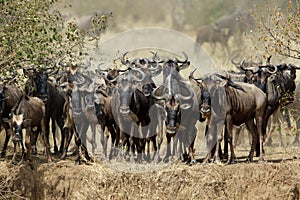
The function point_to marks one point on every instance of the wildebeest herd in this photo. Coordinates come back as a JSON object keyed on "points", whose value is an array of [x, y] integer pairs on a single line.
{"points": [[135, 111]]}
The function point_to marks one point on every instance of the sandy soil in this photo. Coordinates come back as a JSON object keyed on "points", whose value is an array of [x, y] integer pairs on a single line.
{"points": [[278, 178]]}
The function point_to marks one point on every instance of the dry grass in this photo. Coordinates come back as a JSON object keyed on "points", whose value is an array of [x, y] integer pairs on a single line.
{"points": [[277, 179]]}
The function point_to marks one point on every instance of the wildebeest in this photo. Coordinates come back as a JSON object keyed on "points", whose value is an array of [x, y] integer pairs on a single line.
{"points": [[78, 120], [9, 96], [128, 111], [181, 117], [106, 120], [279, 85], [153, 117], [294, 108], [244, 103], [209, 33], [180, 105], [235, 24], [28, 113], [54, 100]]}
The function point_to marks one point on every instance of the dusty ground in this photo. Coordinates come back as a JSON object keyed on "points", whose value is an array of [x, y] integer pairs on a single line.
{"points": [[279, 178]]}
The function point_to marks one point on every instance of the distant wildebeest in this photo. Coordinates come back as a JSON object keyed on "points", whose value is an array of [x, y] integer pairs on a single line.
{"points": [[235, 24], [210, 34]]}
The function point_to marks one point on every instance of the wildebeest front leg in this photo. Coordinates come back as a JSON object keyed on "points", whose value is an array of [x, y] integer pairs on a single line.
{"points": [[68, 132], [176, 148], [28, 141], [218, 146], [251, 127], [15, 152], [259, 121], [229, 127], [114, 141], [46, 140], [168, 153], [296, 140], [103, 141]]}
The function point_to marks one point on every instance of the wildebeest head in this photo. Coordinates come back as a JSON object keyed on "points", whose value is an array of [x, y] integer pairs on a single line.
{"points": [[174, 105], [16, 121], [126, 87], [73, 96], [205, 97], [40, 79], [173, 114], [89, 98], [176, 64], [284, 83]]}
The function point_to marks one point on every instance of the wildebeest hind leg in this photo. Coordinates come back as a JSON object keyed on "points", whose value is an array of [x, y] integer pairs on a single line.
{"points": [[251, 127], [7, 137]]}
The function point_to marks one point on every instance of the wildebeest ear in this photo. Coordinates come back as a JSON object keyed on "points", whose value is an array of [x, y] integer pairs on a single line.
{"points": [[6, 120], [27, 122], [223, 83]]}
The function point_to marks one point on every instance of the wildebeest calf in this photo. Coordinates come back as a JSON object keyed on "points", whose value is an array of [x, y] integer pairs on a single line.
{"points": [[28, 113]]}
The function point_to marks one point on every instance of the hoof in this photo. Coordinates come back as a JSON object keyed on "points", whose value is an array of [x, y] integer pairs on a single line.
{"points": [[231, 162], [77, 162], [204, 163], [248, 159], [262, 161], [218, 162], [63, 157], [157, 160], [166, 160], [193, 162], [56, 150]]}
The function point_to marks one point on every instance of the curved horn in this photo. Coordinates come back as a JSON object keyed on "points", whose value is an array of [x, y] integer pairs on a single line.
{"points": [[122, 58], [141, 72], [269, 59], [192, 75], [123, 70], [242, 65], [134, 61], [236, 63], [180, 96], [271, 72], [252, 69], [155, 57], [291, 66], [162, 97], [185, 56]]}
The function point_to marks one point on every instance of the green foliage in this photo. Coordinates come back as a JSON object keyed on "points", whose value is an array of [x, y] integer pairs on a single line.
{"points": [[278, 29], [33, 32]]}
